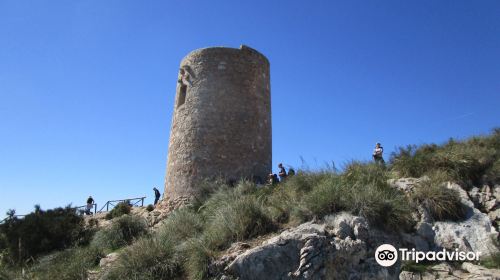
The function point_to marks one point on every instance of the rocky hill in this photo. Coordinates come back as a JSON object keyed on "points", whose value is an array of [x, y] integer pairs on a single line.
{"points": [[316, 225]]}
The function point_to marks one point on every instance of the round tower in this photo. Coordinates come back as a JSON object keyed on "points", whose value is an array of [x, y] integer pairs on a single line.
{"points": [[221, 125]]}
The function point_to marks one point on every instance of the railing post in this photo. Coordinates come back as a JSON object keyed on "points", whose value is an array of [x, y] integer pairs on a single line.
{"points": [[95, 208], [107, 206], [142, 202]]}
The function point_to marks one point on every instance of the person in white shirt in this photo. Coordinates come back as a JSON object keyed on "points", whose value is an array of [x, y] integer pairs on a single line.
{"points": [[377, 154]]}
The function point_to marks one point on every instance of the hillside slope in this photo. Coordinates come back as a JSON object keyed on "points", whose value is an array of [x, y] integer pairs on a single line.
{"points": [[316, 225]]}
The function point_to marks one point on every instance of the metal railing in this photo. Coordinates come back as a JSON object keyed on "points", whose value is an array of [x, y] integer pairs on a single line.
{"points": [[15, 216], [131, 202], [83, 209]]}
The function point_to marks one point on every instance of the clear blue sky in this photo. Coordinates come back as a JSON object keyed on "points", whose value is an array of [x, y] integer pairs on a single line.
{"points": [[87, 87]]}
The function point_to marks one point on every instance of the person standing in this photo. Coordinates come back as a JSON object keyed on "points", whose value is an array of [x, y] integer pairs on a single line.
{"points": [[157, 195], [282, 172], [377, 154], [90, 204]]}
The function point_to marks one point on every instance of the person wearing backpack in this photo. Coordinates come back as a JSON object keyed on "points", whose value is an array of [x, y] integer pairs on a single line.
{"points": [[282, 172]]}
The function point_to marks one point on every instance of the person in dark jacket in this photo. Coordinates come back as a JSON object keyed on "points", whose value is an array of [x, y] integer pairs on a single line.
{"points": [[157, 195], [282, 172]]}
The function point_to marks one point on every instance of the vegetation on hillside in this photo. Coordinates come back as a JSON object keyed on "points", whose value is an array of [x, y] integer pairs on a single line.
{"points": [[41, 232], [119, 210], [191, 237], [470, 162]]}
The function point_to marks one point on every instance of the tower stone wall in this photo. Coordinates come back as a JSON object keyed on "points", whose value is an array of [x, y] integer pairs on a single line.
{"points": [[221, 125]]}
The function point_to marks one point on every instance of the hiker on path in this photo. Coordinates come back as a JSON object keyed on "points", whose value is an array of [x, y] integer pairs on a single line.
{"points": [[157, 195], [282, 172], [377, 154], [90, 204]]}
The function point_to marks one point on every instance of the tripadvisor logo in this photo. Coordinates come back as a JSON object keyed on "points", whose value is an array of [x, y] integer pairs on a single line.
{"points": [[387, 255]]}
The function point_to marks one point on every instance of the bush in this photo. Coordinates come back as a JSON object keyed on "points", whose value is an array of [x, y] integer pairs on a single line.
{"points": [[236, 220], [382, 206], [362, 190], [148, 258], [326, 197], [492, 261], [66, 265], [359, 174], [492, 175], [441, 202], [420, 268], [467, 162], [41, 232], [150, 208], [181, 225], [122, 232], [120, 209], [411, 161], [198, 256]]}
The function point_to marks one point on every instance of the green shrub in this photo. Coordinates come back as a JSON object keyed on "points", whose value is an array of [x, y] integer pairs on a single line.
{"points": [[149, 258], [358, 174], [382, 206], [280, 203], [123, 231], [198, 256], [150, 208], [326, 197], [120, 209], [466, 162], [492, 174], [6, 274], [492, 261], [41, 232], [416, 267], [303, 182], [441, 202], [237, 219], [66, 265], [181, 225]]}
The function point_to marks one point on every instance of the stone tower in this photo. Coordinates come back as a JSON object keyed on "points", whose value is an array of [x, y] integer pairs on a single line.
{"points": [[221, 125]]}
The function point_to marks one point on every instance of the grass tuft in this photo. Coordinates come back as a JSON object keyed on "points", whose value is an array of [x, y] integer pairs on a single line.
{"points": [[148, 258], [441, 202], [123, 231], [119, 210]]}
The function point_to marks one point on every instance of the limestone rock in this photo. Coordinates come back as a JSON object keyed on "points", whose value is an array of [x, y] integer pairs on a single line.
{"points": [[407, 275], [278, 256], [473, 234], [406, 185], [479, 271], [108, 260], [446, 271], [491, 204], [494, 215], [336, 248]]}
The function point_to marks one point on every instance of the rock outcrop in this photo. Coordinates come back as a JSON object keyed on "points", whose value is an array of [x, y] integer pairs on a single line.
{"points": [[447, 271], [475, 233], [338, 247], [342, 246]]}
